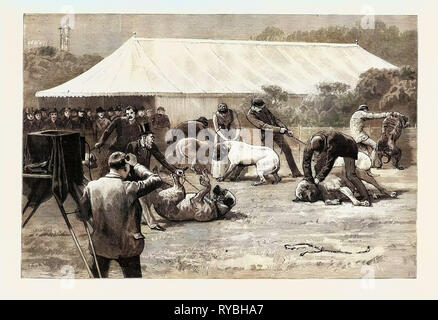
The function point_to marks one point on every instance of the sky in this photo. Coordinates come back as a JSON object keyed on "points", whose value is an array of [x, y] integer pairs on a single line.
{"points": [[103, 33]]}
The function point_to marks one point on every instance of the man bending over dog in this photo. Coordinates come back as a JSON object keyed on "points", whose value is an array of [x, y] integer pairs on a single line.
{"points": [[331, 145], [337, 187]]}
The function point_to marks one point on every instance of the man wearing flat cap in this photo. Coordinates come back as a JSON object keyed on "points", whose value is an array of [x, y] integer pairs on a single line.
{"points": [[357, 124], [261, 117], [112, 203], [144, 148]]}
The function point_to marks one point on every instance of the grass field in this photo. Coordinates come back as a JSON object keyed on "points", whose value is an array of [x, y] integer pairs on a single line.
{"points": [[250, 241]]}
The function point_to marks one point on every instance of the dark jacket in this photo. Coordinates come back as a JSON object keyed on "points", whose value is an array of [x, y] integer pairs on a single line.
{"points": [[160, 121], [144, 155], [336, 144], [38, 125], [49, 125], [99, 127], [113, 204], [125, 133]]}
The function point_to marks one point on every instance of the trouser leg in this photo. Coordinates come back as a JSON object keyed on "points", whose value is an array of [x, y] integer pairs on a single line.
{"points": [[350, 173], [147, 213], [104, 264], [131, 267], [284, 146], [373, 145]]}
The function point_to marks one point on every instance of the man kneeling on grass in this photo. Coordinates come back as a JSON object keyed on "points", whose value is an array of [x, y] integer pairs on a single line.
{"points": [[111, 204]]}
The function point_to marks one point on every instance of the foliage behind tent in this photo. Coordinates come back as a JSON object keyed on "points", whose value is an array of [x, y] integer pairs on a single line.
{"points": [[381, 90], [47, 67], [386, 42]]}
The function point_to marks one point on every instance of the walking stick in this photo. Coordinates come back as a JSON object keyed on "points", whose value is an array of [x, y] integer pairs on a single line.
{"points": [[87, 228]]}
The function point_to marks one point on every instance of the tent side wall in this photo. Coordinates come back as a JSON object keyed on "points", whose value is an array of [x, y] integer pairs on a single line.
{"points": [[181, 108]]}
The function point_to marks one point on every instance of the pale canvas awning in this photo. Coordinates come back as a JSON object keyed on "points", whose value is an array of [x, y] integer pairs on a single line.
{"points": [[193, 66]]}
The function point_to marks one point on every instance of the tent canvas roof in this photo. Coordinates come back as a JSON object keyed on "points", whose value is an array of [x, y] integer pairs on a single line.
{"points": [[144, 66]]}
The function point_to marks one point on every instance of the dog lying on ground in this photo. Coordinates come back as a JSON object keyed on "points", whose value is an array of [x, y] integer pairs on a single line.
{"points": [[174, 204], [392, 128], [336, 187]]}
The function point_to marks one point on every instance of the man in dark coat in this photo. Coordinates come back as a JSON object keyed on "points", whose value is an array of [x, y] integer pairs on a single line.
{"points": [[53, 123], [100, 123], [112, 203], [127, 129], [38, 124], [75, 121], [144, 148], [331, 145], [28, 123], [261, 117], [160, 120], [141, 115], [110, 114], [66, 119], [117, 113]]}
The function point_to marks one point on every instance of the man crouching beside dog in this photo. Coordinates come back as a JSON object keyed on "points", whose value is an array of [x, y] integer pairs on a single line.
{"points": [[332, 181], [330, 146]]}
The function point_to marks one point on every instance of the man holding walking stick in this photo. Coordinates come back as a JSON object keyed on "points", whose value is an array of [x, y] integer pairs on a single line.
{"points": [[112, 207]]}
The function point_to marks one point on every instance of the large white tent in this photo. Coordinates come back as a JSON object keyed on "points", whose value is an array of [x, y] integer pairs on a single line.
{"points": [[190, 76]]}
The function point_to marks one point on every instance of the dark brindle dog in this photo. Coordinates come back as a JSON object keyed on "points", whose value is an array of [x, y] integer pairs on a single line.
{"points": [[392, 128]]}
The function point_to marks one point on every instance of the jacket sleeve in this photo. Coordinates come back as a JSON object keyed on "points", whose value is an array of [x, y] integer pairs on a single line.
{"points": [[130, 148], [109, 130], [85, 212], [260, 124], [162, 159], [330, 161], [307, 163], [148, 182]]}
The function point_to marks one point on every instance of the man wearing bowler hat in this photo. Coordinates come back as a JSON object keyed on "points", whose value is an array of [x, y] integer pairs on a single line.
{"points": [[144, 148], [261, 117]]}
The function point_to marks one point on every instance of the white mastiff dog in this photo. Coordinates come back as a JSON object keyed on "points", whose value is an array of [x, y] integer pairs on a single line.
{"points": [[241, 154]]}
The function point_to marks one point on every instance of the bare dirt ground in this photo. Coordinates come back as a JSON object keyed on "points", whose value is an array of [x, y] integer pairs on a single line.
{"points": [[250, 241]]}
